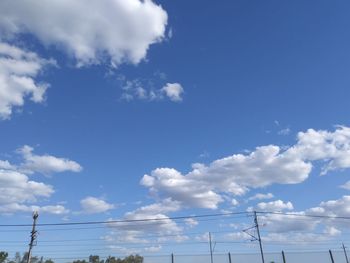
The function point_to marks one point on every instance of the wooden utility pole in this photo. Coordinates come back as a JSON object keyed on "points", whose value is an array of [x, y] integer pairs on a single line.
{"points": [[346, 254], [259, 237], [33, 236]]}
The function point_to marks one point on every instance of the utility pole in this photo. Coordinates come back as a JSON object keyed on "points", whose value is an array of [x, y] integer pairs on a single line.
{"points": [[211, 248], [259, 237], [331, 255], [346, 254], [33, 236]]}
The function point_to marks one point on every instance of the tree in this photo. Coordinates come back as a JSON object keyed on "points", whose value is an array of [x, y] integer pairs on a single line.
{"points": [[133, 259], [3, 256], [17, 257], [94, 259]]}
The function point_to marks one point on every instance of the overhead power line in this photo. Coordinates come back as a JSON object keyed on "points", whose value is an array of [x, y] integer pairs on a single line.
{"points": [[127, 220], [111, 222]]}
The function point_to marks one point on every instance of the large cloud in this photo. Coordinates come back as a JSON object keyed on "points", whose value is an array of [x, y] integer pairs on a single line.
{"points": [[93, 205], [89, 30], [20, 194], [18, 71], [331, 147], [234, 174], [266, 165], [154, 227], [17, 193], [46, 164]]}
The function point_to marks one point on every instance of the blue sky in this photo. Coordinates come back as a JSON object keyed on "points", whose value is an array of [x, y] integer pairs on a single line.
{"points": [[93, 106]]}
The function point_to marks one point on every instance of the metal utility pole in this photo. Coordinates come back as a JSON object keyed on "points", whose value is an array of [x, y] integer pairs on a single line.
{"points": [[346, 254], [211, 248], [283, 257], [33, 236], [331, 255], [259, 238]]}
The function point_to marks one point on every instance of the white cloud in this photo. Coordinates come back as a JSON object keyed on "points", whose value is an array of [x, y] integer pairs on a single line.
{"points": [[45, 164], [93, 205], [338, 207], [6, 165], [18, 71], [157, 224], [138, 89], [15, 187], [260, 196], [281, 223], [273, 206], [173, 91], [20, 194], [119, 30], [191, 222], [50, 209], [234, 202], [333, 148], [346, 185], [234, 174], [205, 185], [302, 222], [184, 189], [284, 132], [17, 192]]}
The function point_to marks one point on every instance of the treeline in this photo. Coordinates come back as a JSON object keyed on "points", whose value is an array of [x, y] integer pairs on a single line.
{"points": [[92, 259]]}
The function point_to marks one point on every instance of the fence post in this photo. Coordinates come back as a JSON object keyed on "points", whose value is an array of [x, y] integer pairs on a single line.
{"points": [[283, 257], [331, 255], [229, 257], [172, 258]]}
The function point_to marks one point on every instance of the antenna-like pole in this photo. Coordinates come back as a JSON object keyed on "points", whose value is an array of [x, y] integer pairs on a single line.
{"points": [[346, 254], [211, 248], [33, 236], [259, 238]]}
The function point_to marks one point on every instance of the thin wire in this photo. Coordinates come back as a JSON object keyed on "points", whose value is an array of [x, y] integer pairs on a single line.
{"points": [[125, 220]]}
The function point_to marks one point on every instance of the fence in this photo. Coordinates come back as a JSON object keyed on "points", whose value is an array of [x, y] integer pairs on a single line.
{"points": [[334, 256]]}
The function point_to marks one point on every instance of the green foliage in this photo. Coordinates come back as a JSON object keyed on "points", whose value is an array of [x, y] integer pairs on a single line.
{"points": [[80, 261], [3, 256], [92, 259]]}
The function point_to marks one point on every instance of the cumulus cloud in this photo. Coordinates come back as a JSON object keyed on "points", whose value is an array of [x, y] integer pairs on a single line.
{"points": [[205, 185], [260, 196], [20, 194], [173, 91], [15, 187], [17, 192], [234, 174], [338, 207], [346, 186], [234, 202], [282, 223], [119, 30], [277, 205], [18, 72], [184, 189], [50, 209], [158, 225], [45, 164], [333, 148], [138, 89], [93, 205]]}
